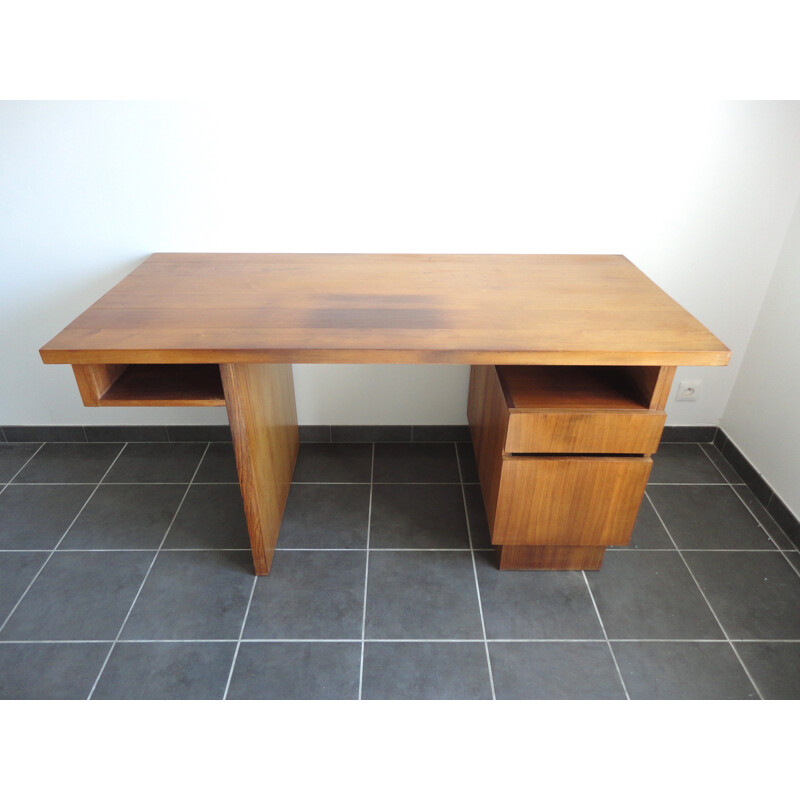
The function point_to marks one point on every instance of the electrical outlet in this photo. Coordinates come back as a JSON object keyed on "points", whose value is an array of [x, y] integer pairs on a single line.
{"points": [[687, 390]]}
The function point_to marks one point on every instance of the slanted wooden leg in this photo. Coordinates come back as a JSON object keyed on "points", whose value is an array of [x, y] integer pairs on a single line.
{"points": [[514, 556], [263, 420]]}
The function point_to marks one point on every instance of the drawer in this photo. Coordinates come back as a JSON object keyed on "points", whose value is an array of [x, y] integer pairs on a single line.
{"points": [[583, 432], [572, 501]]}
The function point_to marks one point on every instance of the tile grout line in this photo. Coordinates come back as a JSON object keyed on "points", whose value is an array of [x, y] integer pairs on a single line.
{"points": [[10, 480], [147, 574], [366, 575], [708, 603], [605, 636], [63, 535], [239, 641], [475, 572], [777, 546], [616, 549], [752, 513], [400, 641]]}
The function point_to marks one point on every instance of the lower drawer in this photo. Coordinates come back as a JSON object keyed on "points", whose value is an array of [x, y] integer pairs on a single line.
{"points": [[563, 500]]}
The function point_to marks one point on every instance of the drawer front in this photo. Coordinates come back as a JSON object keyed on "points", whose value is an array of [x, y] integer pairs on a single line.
{"points": [[589, 432], [568, 501]]}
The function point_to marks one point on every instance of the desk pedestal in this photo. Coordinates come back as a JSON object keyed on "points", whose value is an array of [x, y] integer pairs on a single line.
{"points": [[563, 457]]}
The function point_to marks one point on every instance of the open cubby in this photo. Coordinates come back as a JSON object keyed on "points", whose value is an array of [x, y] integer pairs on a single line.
{"points": [[150, 384], [628, 388]]}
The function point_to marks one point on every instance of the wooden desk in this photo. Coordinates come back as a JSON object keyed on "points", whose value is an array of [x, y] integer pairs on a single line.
{"points": [[597, 343]]}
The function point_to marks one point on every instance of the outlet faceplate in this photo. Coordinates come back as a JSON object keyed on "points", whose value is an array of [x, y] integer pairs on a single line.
{"points": [[688, 390]]}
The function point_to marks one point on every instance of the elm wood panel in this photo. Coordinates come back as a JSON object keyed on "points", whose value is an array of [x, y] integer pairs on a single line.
{"points": [[488, 420], [386, 308], [523, 556], [94, 380], [166, 385], [562, 500], [588, 432], [263, 420]]}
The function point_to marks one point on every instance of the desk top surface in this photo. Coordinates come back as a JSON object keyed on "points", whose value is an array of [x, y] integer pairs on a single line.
{"points": [[458, 309]]}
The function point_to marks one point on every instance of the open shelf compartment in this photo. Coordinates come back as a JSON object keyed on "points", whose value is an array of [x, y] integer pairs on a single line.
{"points": [[579, 388], [150, 384]]}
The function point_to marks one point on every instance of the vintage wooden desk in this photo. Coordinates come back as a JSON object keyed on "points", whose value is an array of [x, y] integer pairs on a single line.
{"points": [[573, 359]]}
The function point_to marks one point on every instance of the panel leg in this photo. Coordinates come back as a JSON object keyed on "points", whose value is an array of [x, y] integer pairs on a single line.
{"points": [[263, 420], [513, 556]]}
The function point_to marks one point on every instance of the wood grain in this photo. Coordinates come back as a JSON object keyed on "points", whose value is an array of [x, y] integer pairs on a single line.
{"points": [[166, 385], [263, 419], [586, 432], [570, 388], [511, 556], [561, 500], [94, 380], [488, 421], [468, 309]]}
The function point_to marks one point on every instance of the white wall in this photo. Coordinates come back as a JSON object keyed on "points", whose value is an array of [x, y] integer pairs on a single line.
{"points": [[699, 196], [762, 415]]}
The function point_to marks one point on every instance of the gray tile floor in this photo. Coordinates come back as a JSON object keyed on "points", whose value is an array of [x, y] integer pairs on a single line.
{"points": [[125, 573]]}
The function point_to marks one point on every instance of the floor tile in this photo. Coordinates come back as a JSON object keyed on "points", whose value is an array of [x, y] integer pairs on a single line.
{"points": [[784, 516], [441, 433], [688, 433], [682, 671], [325, 515], [683, 463], [125, 516], [774, 531], [422, 595], [416, 463], [774, 666], [36, 517], [296, 671], [199, 433], [425, 671], [476, 514], [44, 433], [708, 517], [13, 458], [79, 596], [212, 515], [17, 570], [648, 532], [535, 605], [333, 463], [554, 671], [315, 433], [719, 461], [309, 595], [156, 463], [416, 515], [166, 671], [650, 595], [219, 465], [747, 472], [36, 671], [193, 595], [126, 433], [370, 433], [59, 462], [755, 595], [466, 460]]}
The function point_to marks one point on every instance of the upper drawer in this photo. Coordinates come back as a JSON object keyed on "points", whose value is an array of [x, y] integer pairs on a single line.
{"points": [[586, 432], [581, 409]]}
